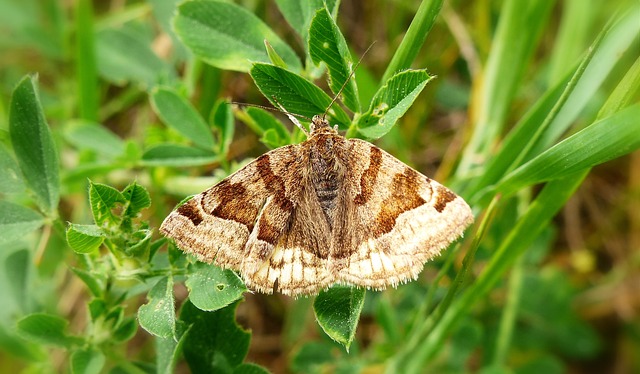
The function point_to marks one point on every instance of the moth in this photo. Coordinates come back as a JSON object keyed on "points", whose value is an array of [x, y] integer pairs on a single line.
{"points": [[328, 210]]}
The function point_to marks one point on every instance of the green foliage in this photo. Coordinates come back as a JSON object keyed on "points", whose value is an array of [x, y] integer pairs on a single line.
{"points": [[16, 221], [391, 101], [33, 145], [211, 288], [228, 36], [338, 311], [215, 342], [47, 329], [177, 113], [96, 155], [327, 45]]}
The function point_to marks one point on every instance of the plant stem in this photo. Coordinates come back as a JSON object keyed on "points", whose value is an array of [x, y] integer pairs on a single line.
{"points": [[414, 38]]}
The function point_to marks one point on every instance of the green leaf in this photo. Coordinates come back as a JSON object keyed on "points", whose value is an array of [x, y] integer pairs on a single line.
{"points": [[338, 311], [249, 368], [178, 113], [97, 308], [228, 36], [46, 329], [14, 346], [158, 316], [95, 282], [312, 356], [222, 120], [33, 145], [125, 56], [604, 140], [177, 155], [274, 57], [139, 244], [163, 12], [211, 288], [17, 267], [84, 238], [125, 330], [168, 352], [391, 101], [261, 122], [10, 176], [17, 221], [327, 44], [103, 199], [92, 136], [215, 343], [87, 361], [296, 94], [299, 13], [138, 199]]}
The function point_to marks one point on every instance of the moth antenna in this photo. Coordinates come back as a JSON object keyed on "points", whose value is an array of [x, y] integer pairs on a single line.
{"points": [[292, 117], [344, 85], [280, 109]]}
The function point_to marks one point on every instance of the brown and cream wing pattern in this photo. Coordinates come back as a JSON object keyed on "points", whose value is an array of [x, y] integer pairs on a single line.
{"points": [[216, 224], [398, 219]]}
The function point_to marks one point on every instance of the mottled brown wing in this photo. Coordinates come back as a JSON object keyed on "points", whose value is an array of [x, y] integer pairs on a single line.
{"points": [[252, 222], [397, 219], [216, 224]]}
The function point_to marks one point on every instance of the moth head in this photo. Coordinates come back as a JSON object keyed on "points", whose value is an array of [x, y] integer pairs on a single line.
{"points": [[318, 123]]}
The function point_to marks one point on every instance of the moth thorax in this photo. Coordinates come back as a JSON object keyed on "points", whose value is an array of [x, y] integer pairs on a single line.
{"points": [[325, 174]]}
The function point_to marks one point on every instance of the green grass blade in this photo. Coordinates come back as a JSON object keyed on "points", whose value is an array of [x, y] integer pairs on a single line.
{"points": [[538, 215], [414, 38], [555, 111], [518, 31], [605, 140], [624, 93], [517, 139], [617, 41], [407, 361], [34, 146], [575, 28], [509, 313]]}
